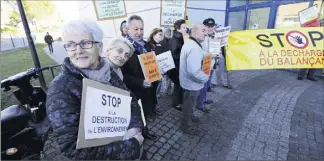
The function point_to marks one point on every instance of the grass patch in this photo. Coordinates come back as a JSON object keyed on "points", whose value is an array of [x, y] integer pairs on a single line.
{"points": [[19, 60]]}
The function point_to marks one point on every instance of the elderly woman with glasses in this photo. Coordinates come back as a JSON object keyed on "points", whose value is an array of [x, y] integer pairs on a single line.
{"points": [[83, 43]]}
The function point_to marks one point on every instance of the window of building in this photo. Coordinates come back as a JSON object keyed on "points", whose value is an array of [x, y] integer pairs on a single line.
{"points": [[259, 1], [287, 15], [258, 18], [235, 3], [236, 20]]}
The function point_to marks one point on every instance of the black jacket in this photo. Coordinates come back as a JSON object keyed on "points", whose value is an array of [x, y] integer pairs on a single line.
{"points": [[176, 43], [133, 74], [63, 110], [159, 48], [48, 39]]}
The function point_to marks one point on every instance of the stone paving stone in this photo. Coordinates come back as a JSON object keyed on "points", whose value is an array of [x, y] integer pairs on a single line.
{"points": [[243, 118], [157, 157], [153, 149]]}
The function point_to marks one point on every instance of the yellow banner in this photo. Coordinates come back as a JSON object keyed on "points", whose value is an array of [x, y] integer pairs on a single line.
{"points": [[276, 49]]}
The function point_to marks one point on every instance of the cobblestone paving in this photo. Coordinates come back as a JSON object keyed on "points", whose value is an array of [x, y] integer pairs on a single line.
{"points": [[269, 115]]}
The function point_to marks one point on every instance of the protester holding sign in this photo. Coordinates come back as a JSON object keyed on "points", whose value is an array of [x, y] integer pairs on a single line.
{"points": [[176, 43], [83, 43], [132, 70], [192, 77], [155, 39], [210, 26]]}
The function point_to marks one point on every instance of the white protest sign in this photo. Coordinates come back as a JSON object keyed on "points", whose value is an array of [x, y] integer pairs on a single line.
{"points": [[142, 112], [221, 35], [214, 47], [165, 61], [109, 9], [171, 11], [107, 114], [308, 14]]}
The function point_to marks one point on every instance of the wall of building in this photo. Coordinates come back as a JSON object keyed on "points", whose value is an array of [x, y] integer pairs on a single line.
{"points": [[150, 12]]}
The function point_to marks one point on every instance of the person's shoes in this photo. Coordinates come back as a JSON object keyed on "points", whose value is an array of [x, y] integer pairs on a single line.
{"points": [[149, 136], [178, 107], [312, 79], [205, 110], [157, 112], [299, 78], [227, 86], [191, 131], [195, 119], [209, 102]]}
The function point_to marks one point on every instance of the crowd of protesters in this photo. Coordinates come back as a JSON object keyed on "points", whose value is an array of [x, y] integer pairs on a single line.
{"points": [[120, 67]]}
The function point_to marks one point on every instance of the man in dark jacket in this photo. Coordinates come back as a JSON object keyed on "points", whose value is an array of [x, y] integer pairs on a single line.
{"points": [[176, 43], [132, 70], [49, 40]]}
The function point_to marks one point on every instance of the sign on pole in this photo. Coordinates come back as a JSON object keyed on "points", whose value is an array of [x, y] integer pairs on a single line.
{"points": [[105, 114], [309, 17], [106, 10], [150, 66], [165, 61], [171, 11], [221, 35]]}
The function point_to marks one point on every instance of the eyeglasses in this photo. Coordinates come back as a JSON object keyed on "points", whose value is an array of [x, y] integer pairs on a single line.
{"points": [[84, 44]]}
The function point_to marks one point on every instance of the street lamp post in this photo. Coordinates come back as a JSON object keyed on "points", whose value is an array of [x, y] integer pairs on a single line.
{"points": [[31, 44]]}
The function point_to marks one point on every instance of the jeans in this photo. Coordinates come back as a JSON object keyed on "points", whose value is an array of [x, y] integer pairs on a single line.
{"points": [[222, 70], [203, 93], [50, 47]]}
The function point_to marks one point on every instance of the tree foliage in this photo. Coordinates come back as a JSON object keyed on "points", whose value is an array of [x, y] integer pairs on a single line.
{"points": [[34, 10]]}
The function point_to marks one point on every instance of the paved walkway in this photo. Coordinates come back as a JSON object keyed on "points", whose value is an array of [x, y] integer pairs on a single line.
{"points": [[268, 115]]}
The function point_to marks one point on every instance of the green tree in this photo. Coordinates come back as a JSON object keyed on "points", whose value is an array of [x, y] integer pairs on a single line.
{"points": [[34, 10]]}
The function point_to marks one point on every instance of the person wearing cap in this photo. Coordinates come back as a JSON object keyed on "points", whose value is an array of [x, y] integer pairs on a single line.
{"points": [[210, 27]]}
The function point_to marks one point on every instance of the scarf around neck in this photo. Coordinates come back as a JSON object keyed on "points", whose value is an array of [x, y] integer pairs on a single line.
{"points": [[102, 73], [138, 45]]}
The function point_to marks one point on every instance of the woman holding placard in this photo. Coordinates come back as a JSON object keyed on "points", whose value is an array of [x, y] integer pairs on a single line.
{"points": [[155, 39], [83, 43]]}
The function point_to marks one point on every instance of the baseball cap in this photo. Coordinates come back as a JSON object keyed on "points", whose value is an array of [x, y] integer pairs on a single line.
{"points": [[210, 22]]}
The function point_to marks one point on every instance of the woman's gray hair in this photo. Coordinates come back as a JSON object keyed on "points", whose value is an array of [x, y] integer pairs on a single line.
{"points": [[81, 27], [120, 39]]}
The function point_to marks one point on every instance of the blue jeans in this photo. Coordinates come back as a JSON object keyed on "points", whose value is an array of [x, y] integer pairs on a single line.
{"points": [[203, 92]]}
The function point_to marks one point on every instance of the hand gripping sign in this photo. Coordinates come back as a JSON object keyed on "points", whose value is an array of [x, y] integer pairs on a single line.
{"points": [[105, 114], [150, 67]]}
